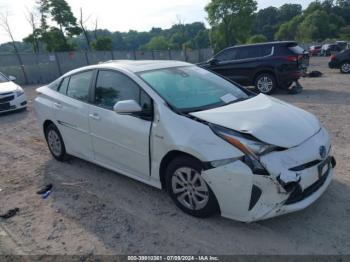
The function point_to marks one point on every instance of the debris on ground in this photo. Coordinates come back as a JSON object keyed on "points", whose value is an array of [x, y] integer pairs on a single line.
{"points": [[44, 189], [46, 194], [314, 74], [10, 213]]}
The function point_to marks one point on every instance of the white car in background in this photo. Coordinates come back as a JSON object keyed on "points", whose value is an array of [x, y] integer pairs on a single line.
{"points": [[214, 146], [12, 96]]}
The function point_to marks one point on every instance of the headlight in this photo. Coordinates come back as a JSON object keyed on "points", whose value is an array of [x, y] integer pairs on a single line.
{"points": [[19, 92], [251, 147]]}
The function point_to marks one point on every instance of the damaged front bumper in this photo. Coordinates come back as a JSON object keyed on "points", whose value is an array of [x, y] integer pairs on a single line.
{"points": [[298, 177]]}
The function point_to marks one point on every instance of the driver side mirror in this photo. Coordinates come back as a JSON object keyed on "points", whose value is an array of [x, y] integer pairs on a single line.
{"points": [[12, 78], [213, 61], [127, 107]]}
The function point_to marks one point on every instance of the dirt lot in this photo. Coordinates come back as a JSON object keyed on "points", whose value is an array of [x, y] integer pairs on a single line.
{"points": [[95, 211]]}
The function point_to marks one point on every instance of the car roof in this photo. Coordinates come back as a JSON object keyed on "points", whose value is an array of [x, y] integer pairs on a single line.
{"points": [[133, 66], [136, 66], [267, 43]]}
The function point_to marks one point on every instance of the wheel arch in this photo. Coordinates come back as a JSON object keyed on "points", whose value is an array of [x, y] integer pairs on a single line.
{"points": [[46, 124], [170, 156], [264, 71]]}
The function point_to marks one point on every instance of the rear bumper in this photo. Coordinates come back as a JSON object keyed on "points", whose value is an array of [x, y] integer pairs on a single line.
{"points": [[285, 78], [333, 65]]}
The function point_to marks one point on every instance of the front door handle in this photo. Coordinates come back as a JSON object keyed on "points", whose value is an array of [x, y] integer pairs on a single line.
{"points": [[94, 116], [58, 105]]}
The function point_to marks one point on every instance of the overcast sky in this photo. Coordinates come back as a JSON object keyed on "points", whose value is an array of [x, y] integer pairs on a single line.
{"points": [[122, 15]]}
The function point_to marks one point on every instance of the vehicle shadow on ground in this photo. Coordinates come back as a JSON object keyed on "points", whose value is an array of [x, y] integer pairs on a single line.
{"points": [[129, 216], [14, 116]]}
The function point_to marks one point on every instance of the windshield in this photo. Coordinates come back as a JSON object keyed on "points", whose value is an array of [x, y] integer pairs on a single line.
{"points": [[3, 78], [191, 88]]}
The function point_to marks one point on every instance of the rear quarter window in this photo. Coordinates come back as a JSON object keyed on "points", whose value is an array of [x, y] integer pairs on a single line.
{"points": [[298, 50], [55, 84]]}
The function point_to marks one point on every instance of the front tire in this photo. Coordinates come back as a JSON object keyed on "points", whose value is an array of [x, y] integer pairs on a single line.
{"points": [[55, 142], [188, 189], [265, 83], [345, 67]]}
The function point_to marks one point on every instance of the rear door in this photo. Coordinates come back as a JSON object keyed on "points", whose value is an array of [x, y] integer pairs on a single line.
{"points": [[120, 142], [71, 111]]}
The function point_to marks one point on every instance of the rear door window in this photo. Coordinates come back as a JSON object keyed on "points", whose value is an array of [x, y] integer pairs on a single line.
{"points": [[79, 86]]}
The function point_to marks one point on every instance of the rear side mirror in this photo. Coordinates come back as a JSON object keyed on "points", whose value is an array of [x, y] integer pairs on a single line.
{"points": [[127, 107], [12, 78]]}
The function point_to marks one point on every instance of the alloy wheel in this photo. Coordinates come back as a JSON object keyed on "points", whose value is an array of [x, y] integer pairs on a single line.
{"points": [[265, 84], [190, 188], [54, 142], [345, 67]]}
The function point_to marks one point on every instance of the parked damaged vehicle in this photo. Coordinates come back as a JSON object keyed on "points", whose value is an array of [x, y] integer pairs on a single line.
{"points": [[214, 146], [12, 96], [267, 66], [341, 61]]}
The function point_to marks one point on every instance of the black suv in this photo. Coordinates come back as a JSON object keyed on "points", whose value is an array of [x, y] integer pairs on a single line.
{"points": [[266, 66], [341, 61]]}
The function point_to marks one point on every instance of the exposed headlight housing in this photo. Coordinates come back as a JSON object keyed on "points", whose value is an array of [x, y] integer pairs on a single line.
{"points": [[250, 146]]}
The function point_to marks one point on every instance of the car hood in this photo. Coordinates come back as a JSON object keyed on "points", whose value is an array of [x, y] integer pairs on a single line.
{"points": [[7, 87], [268, 119]]}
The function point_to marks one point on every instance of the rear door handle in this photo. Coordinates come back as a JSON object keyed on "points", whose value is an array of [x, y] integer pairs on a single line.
{"points": [[58, 105], [94, 116]]}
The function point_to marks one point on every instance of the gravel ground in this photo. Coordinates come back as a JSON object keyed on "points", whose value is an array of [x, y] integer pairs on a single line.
{"points": [[95, 211]]}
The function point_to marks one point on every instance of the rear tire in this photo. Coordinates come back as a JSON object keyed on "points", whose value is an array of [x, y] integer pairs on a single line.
{"points": [[265, 83], [345, 67], [55, 142], [188, 189]]}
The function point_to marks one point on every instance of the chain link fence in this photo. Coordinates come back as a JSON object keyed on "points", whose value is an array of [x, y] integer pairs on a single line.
{"points": [[44, 68]]}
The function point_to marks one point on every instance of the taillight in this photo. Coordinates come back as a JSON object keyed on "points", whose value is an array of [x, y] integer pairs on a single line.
{"points": [[292, 58], [333, 57]]}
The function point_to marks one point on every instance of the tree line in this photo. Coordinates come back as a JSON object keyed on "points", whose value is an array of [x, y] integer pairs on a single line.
{"points": [[55, 28]]}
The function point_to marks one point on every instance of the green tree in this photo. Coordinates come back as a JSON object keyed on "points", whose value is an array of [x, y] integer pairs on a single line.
{"points": [[288, 11], [319, 26], [289, 30], [231, 18], [157, 43], [56, 38], [102, 43], [266, 22], [257, 39]]}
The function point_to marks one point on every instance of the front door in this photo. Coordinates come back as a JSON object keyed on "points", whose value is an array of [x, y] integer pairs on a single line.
{"points": [[120, 142]]}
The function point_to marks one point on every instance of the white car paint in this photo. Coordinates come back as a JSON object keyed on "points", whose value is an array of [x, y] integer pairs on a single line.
{"points": [[268, 119], [12, 96], [136, 148]]}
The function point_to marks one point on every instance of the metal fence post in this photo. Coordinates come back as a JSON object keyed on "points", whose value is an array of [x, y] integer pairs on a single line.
{"points": [[199, 55], [21, 65], [185, 54], [152, 54], [112, 55], [169, 54], [86, 58], [134, 54], [58, 64]]}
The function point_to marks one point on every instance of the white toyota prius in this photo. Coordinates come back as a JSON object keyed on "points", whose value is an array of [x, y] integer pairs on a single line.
{"points": [[213, 145], [12, 96]]}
